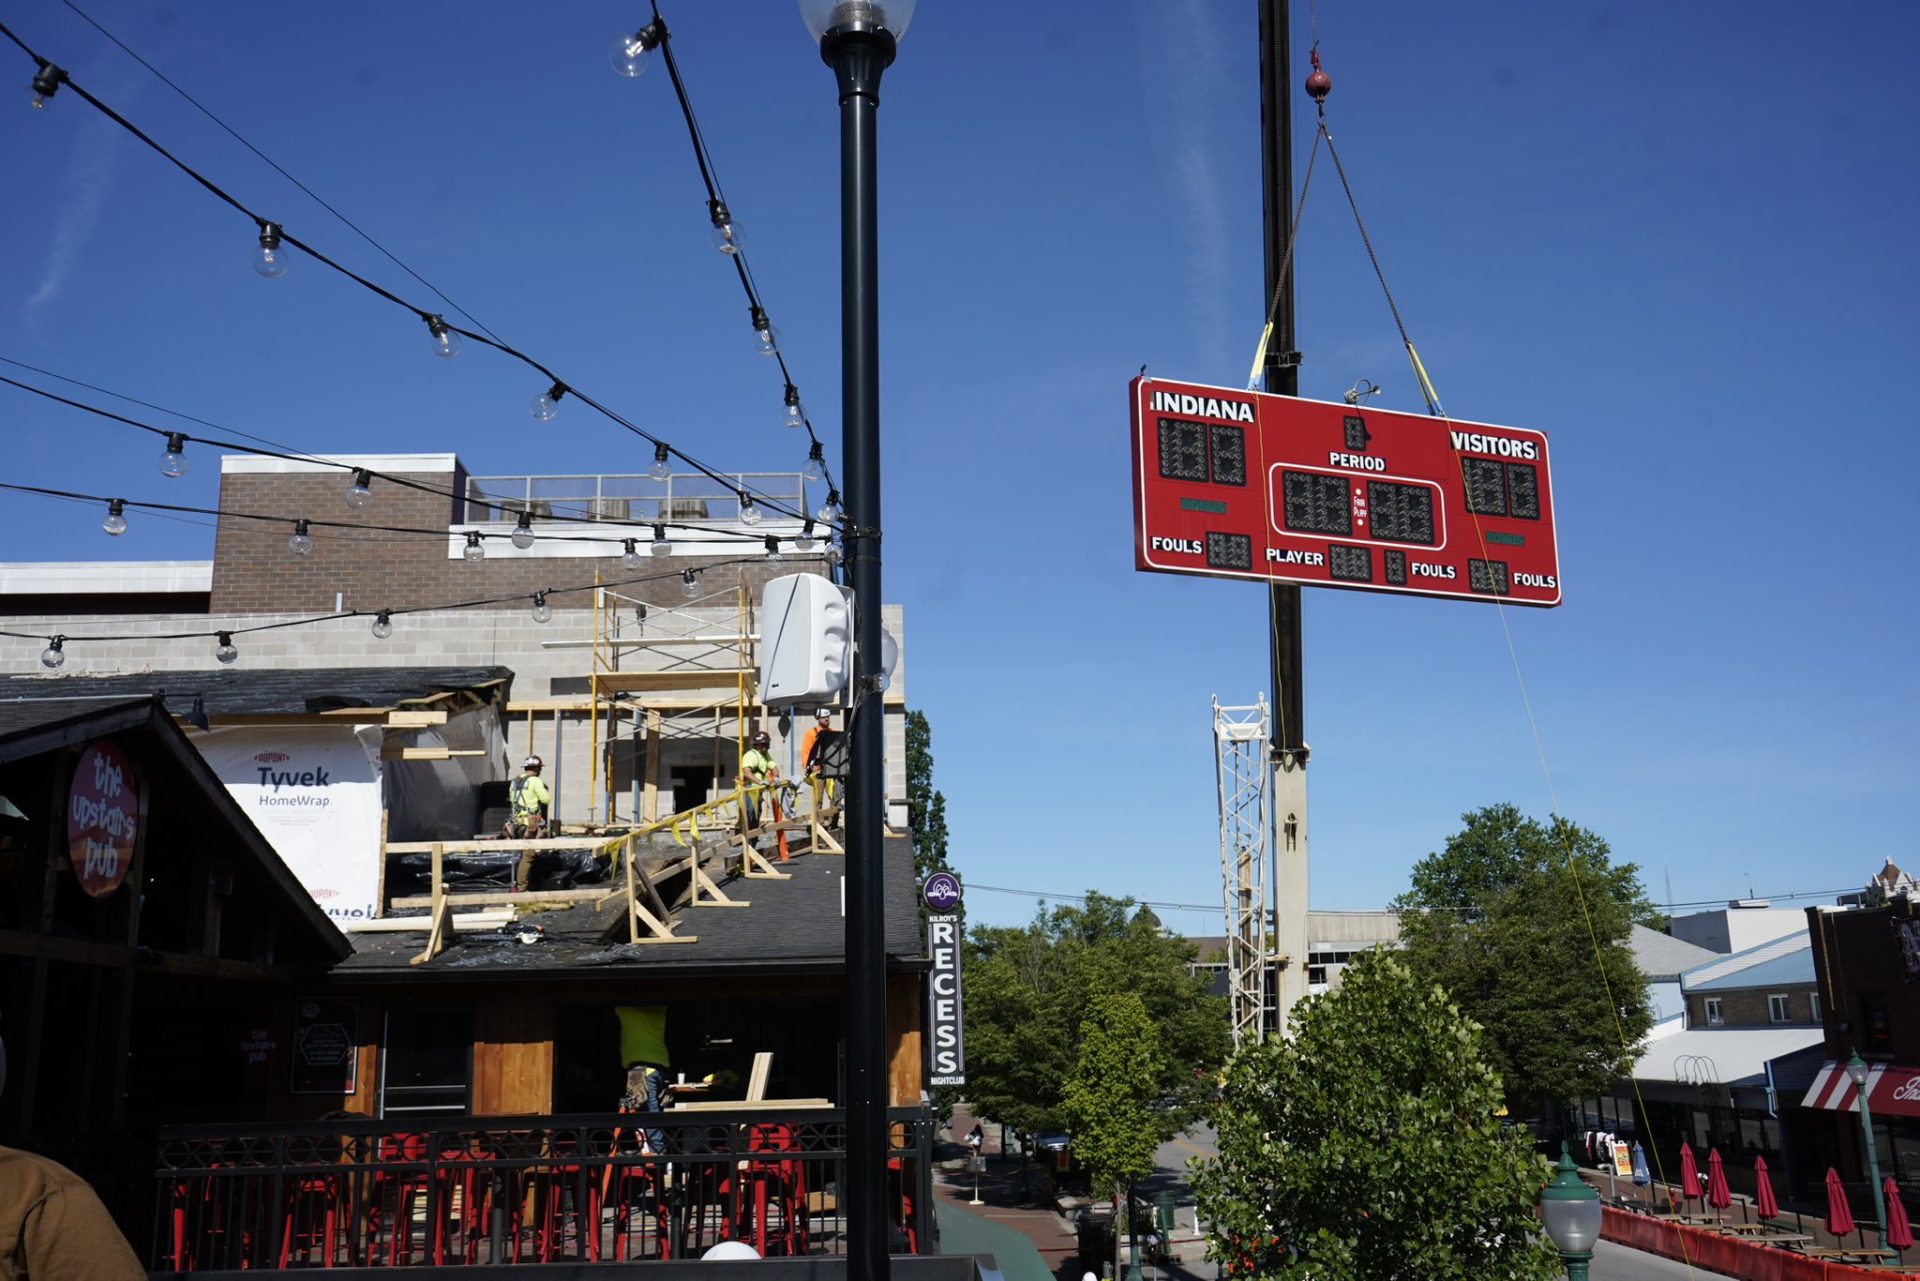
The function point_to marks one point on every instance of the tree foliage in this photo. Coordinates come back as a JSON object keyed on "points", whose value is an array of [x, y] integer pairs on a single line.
{"points": [[1029, 988], [1526, 927], [1108, 1095], [926, 807], [1367, 1146]]}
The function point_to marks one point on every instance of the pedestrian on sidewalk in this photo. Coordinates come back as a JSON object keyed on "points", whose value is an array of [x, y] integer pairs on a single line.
{"points": [[975, 1139]]}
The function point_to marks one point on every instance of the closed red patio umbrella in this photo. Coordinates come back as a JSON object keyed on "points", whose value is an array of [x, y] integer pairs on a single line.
{"points": [[1839, 1214], [1899, 1231], [1719, 1196], [1689, 1174], [1763, 1203]]}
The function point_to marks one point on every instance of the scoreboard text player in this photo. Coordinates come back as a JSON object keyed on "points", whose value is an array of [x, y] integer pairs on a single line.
{"points": [[1240, 484]]}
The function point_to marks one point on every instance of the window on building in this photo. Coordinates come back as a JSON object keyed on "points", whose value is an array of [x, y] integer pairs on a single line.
{"points": [[1716, 1015], [427, 1063], [1876, 1033], [1813, 999], [1777, 1010]]}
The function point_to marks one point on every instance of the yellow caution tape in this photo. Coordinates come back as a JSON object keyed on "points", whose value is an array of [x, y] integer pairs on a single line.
{"points": [[1259, 358]]}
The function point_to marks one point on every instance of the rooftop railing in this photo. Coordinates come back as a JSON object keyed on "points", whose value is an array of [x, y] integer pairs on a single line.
{"points": [[683, 498]]}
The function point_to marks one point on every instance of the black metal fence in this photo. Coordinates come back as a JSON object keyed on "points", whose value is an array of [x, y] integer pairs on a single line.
{"points": [[522, 1190]]}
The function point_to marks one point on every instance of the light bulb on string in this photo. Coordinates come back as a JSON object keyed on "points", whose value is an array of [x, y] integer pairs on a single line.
{"points": [[726, 236], [224, 650], [301, 544], [766, 339], [115, 521], [749, 514], [173, 462], [55, 654], [834, 554], [270, 259], [547, 403], [816, 463], [661, 546], [523, 532], [830, 512], [46, 83], [630, 558], [630, 53], [661, 468], [383, 624], [804, 543], [474, 550], [542, 612], [360, 492], [690, 582], [773, 551], [794, 416], [446, 343]]}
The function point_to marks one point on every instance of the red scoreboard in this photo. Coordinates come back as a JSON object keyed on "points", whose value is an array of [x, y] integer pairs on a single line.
{"points": [[1239, 484]]}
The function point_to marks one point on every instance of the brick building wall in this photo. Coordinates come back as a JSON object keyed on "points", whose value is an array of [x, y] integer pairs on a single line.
{"points": [[1868, 992], [1752, 1008], [254, 572]]}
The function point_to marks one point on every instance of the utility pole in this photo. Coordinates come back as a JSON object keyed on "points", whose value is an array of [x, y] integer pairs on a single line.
{"points": [[1282, 377]]}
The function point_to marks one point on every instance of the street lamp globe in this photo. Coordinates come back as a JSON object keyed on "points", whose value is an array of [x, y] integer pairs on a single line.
{"points": [[1857, 1071], [1570, 1212], [891, 16]]}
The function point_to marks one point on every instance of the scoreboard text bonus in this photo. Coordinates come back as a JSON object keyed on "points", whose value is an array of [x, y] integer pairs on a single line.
{"points": [[1240, 484]]}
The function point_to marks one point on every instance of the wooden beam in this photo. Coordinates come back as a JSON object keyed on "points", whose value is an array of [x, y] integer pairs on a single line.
{"points": [[48, 947], [653, 766], [518, 898], [407, 752], [409, 718], [675, 679], [501, 846], [441, 913]]}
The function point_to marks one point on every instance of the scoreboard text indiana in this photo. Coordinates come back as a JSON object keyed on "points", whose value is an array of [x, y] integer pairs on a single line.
{"points": [[1238, 484]]}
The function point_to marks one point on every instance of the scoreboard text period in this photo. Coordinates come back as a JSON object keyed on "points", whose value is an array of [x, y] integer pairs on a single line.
{"points": [[1239, 484]]}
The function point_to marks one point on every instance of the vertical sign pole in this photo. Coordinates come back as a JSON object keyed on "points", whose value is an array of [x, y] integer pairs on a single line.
{"points": [[1288, 981]]}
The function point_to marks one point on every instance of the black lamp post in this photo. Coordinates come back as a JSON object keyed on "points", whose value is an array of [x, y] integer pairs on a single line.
{"points": [[857, 39]]}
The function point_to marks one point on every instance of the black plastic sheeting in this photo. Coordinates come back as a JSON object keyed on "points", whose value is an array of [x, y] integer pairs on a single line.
{"points": [[552, 870]]}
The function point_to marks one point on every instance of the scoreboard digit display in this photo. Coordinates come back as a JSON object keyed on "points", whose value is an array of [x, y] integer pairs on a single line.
{"points": [[1239, 484]]}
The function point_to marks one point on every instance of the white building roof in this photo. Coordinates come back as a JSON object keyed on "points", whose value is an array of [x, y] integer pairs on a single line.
{"points": [[77, 577], [392, 464], [1720, 1055]]}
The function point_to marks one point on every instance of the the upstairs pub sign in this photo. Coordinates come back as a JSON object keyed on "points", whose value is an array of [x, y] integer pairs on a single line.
{"points": [[1240, 484]]}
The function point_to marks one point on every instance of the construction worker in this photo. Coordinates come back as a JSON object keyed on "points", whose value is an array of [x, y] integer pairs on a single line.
{"points": [[821, 730], [530, 800], [756, 768]]}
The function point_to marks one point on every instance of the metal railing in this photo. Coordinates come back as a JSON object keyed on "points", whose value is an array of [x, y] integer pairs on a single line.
{"points": [[522, 1190], [683, 498]]}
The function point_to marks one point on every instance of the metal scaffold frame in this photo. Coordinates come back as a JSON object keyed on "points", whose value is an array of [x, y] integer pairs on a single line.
{"points": [[1240, 737]]}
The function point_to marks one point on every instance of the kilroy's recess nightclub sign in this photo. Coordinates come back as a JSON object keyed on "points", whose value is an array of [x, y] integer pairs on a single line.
{"points": [[103, 818], [947, 1039], [1240, 484]]}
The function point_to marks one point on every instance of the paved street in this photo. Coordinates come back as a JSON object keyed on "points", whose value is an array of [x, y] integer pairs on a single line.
{"points": [[1617, 1263]]}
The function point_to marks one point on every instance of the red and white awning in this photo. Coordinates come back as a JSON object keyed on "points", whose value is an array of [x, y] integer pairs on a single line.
{"points": [[1893, 1089]]}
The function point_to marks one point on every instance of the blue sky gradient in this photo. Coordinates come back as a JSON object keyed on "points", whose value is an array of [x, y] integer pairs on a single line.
{"points": [[1676, 238]]}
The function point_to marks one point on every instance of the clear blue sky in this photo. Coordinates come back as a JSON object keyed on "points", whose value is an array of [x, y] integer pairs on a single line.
{"points": [[1677, 238]]}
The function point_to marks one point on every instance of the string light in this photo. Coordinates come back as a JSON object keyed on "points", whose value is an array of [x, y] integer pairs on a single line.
{"points": [[174, 462], [816, 462], [301, 544], [661, 468], [224, 649], [474, 550], [115, 522], [795, 417], [446, 343], [630, 558], [749, 514], [726, 236], [542, 612], [360, 492], [383, 624], [833, 553], [523, 531], [766, 339], [804, 543], [830, 510], [690, 582], [773, 551], [55, 654], [661, 547], [46, 83], [630, 53], [269, 259], [547, 403]]}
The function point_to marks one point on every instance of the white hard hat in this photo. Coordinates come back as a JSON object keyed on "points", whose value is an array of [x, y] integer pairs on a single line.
{"points": [[823, 713], [532, 762]]}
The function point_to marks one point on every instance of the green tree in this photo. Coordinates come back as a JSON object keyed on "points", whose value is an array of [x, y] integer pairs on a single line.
{"points": [[1029, 988], [1526, 926], [926, 807], [1107, 1097], [1367, 1146]]}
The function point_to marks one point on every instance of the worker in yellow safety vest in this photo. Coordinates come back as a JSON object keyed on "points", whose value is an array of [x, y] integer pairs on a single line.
{"points": [[530, 800], [756, 767]]}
